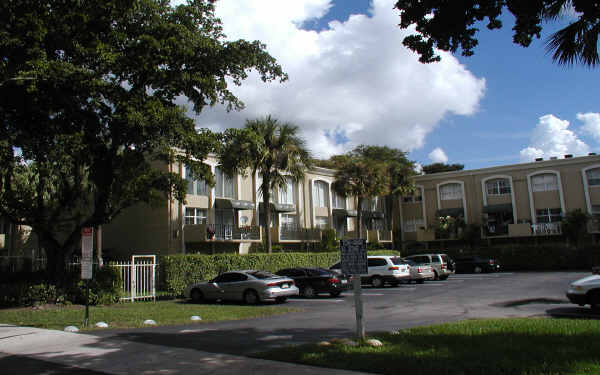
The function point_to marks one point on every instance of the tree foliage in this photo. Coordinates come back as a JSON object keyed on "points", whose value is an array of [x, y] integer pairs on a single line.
{"points": [[442, 167], [87, 106], [450, 25], [272, 149]]}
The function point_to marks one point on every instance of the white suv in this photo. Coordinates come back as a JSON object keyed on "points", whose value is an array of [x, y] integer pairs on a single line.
{"points": [[585, 291], [382, 269]]}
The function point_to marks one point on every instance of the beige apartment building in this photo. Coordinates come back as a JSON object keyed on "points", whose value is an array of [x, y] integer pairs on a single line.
{"points": [[510, 201], [229, 216]]}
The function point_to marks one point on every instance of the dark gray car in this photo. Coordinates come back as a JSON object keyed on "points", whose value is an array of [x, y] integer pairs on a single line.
{"points": [[442, 265]]}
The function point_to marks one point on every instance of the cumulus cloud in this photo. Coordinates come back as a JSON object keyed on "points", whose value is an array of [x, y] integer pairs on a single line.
{"points": [[418, 168], [353, 83], [591, 124], [438, 156], [551, 137]]}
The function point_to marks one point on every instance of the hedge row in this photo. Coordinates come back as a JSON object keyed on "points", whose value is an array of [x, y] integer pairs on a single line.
{"points": [[179, 271]]}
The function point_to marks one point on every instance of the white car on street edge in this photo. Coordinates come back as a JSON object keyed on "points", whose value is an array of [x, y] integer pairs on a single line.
{"points": [[585, 291]]}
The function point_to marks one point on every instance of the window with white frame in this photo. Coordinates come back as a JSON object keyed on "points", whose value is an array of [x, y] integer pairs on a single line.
{"points": [[288, 220], [548, 215], [499, 186], [412, 225], [195, 215], [194, 185], [224, 185], [544, 182], [451, 191], [338, 201], [593, 177], [321, 222], [287, 194], [320, 198], [369, 204]]}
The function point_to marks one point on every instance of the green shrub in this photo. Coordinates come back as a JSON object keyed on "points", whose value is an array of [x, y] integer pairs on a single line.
{"points": [[328, 240], [105, 288], [26, 293]]}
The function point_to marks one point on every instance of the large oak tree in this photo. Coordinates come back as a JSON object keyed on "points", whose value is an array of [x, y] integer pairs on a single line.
{"points": [[87, 107]]}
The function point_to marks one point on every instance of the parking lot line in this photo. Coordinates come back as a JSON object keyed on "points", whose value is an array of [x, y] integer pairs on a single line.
{"points": [[315, 300]]}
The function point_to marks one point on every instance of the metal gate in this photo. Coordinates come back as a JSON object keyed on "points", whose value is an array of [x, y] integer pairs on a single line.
{"points": [[139, 277]]}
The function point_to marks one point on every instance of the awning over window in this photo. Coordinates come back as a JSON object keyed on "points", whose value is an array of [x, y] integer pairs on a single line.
{"points": [[344, 212], [373, 214], [453, 212], [233, 204], [279, 207], [497, 208]]}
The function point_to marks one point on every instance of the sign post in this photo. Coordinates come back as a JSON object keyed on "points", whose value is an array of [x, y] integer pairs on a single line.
{"points": [[353, 255], [86, 266]]}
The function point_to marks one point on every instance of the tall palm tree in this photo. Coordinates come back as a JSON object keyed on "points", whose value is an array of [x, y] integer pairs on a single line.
{"points": [[272, 149]]}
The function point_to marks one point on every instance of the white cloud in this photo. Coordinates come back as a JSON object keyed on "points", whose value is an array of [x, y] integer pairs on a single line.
{"points": [[438, 156], [591, 124], [551, 137], [418, 168], [355, 79]]}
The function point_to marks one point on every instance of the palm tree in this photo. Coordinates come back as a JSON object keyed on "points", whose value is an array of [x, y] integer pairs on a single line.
{"points": [[272, 149]]}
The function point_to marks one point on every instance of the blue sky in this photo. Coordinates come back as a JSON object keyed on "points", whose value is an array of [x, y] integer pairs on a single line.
{"points": [[352, 82]]}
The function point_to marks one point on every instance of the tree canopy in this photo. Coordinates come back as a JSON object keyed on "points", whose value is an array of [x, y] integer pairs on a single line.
{"points": [[88, 120], [442, 167], [450, 25], [270, 148]]}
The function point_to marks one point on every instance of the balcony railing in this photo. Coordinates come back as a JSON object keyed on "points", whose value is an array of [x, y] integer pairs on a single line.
{"points": [[227, 232], [295, 233], [492, 230], [544, 229]]}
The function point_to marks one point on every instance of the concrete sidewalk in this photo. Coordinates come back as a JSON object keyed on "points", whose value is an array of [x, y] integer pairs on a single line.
{"points": [[78, 353]]}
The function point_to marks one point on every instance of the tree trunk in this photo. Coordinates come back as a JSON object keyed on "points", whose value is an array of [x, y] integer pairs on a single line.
{"points": [[267, 206], [359, 216]]}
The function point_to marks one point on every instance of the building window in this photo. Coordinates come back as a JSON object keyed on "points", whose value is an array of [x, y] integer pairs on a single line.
{"points": [[338, 200], [450, 192], [195, 186], [498, 187], [369, 204], [593, 177], [287, 194], [320, 194], [412, 199], [224, 184], [544, 182], [288, 220], [412, 225], [548, 215], [195, 215], [321, 222], [596, 209]]}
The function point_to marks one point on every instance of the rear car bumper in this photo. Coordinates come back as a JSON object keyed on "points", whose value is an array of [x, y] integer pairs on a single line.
{"points": [[272, 293], [396, 278], [422, 276]]}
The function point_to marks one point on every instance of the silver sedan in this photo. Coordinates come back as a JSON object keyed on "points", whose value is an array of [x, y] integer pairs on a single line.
{"points": [[250, 286]]}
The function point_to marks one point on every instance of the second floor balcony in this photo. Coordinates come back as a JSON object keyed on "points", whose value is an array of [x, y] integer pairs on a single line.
{"points": [[546, 229], [296, 233]]}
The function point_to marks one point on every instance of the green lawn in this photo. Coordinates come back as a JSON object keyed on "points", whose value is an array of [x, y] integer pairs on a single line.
{"points": [[488, 347], [132, 315]]}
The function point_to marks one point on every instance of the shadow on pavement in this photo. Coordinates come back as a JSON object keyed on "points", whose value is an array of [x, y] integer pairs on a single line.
{"points": [[574, 313], [16, 364]]}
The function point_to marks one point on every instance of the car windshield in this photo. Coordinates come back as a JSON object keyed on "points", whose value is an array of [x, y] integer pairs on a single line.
{"points": [[397, 261], [262, 274]]}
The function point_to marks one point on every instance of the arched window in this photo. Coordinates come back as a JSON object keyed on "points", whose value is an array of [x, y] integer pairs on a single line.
{"points": [[224, 184], [593, 177], [499, 186], [544, 182], [320, 197], [287, 194], [451, 191]]}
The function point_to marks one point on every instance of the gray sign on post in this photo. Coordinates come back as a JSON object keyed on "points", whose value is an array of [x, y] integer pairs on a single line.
{"points": [[353, 254]]}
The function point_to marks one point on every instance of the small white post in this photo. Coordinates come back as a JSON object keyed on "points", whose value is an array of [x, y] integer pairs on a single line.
{"points": [[358, 307]]}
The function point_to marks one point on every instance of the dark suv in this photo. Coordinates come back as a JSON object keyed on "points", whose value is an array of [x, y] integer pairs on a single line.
{"points": [[476, 264], [312, 281]]}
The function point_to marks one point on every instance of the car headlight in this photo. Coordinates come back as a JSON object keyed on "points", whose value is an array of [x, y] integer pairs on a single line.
{"points": [[578, 288]]}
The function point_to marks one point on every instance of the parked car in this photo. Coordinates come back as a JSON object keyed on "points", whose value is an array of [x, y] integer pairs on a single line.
{"points": [[312, 281], [382, 269], [442, 264], [585, 291], [250, 286], [475, 264], [420, 272]]}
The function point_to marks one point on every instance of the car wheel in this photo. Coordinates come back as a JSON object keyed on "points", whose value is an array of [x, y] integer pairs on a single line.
{"points": [[377, 282], [477, 269], [251, 297], [335, 294], [443, 277], [421, 281], [435, 275], [594, 299], [197, 296], [308, 292], [280, 299]]}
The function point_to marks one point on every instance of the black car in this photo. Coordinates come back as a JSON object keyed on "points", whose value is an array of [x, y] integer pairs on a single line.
{"points": [[312, 281], [475, 264]]}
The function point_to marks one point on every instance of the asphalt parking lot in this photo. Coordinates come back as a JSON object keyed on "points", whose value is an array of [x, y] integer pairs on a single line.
{"points": [[463, 296]]}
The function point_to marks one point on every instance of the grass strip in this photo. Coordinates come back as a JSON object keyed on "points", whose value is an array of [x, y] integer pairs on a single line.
{"points": [[532, 346], [132, 315]]}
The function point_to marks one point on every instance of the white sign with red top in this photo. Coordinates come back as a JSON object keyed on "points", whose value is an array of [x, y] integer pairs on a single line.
{"points": [[87, 242]]}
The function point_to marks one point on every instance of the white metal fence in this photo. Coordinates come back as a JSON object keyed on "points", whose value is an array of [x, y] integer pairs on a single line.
{"points": [[139, 277]]}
